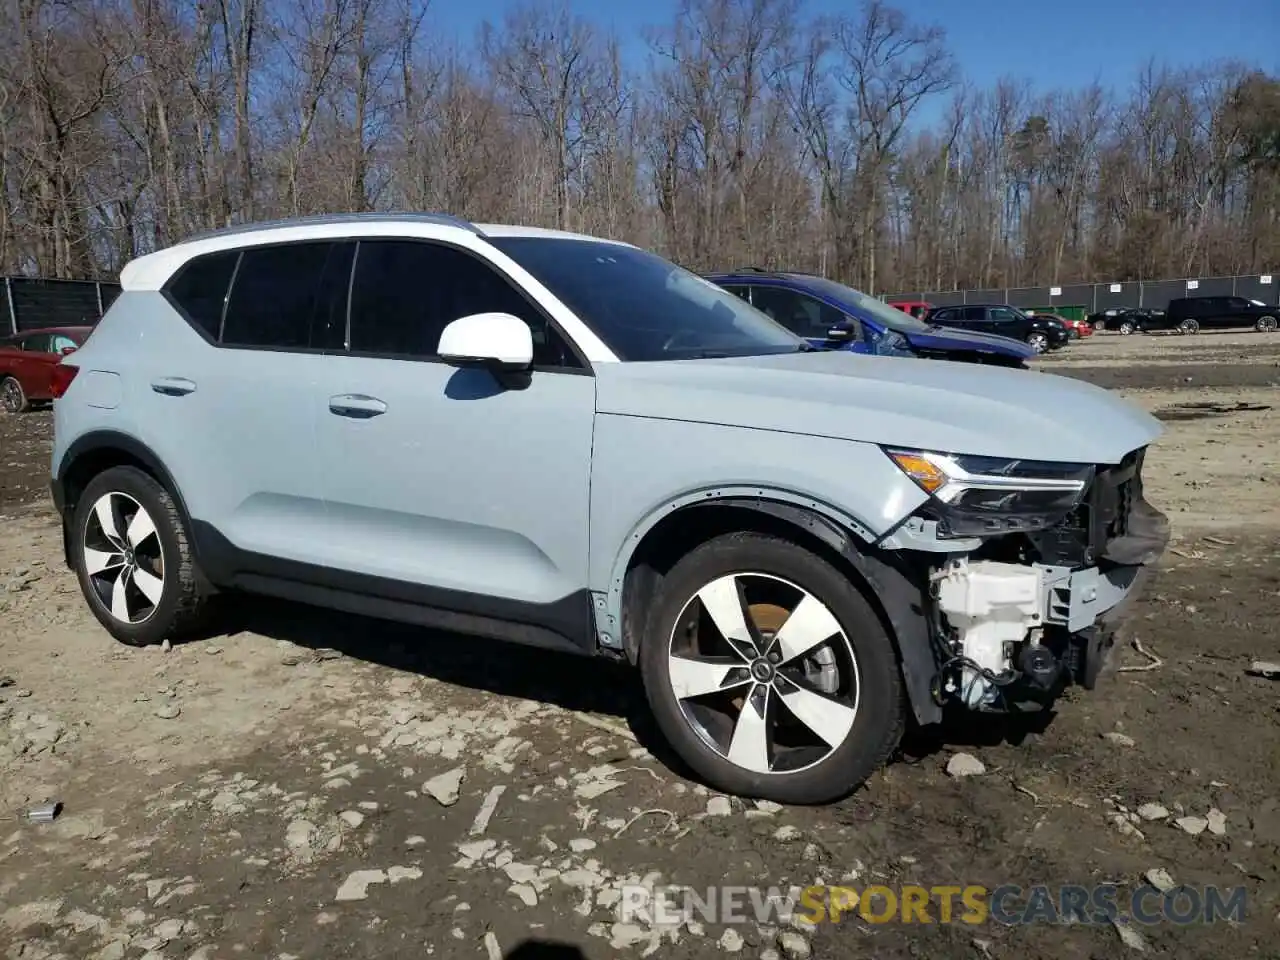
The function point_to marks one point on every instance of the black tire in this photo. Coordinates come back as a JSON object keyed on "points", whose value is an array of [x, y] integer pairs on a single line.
{"points": [[13, 399], [881, 714], [181, 606], [1127, 328], [1189, 327], [1265, 324]]}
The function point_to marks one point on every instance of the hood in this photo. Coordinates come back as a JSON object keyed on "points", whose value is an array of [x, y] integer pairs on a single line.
{"points": [[924, 404], [945, 338]]}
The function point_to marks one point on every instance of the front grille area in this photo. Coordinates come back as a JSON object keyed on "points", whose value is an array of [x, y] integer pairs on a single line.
{"points": [[1082, 537]]}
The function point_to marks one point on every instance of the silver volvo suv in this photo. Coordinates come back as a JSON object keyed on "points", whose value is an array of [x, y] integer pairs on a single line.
{"points": [[570, 442]]}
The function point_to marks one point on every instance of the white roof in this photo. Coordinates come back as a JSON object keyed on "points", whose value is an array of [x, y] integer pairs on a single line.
{"points": [[152, 271]]}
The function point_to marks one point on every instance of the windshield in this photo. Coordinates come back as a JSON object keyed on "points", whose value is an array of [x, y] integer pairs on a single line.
{"points": [[644, 307], [881, 312]]}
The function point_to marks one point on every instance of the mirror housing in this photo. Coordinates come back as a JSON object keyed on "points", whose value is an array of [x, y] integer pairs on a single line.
{"points": [[841, 332], [67, 351], [495, 341]]}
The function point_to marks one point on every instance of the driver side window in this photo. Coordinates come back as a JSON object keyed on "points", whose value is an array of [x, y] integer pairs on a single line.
{"points": [[36, 343]]}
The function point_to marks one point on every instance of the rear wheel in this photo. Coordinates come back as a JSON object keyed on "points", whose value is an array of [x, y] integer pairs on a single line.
{"points": [[769, 672], [1189, 326], [13, 399], [1127, 327], [1265, 325], [130, 551]]}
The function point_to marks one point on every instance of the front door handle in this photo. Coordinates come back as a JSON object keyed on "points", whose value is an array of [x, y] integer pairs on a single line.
{"points": [[173, 386], [356, 405]]}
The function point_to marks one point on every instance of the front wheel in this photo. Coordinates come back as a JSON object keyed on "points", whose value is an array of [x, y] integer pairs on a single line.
{"points": [[1265, 325], [13, 399], [1037, 341], [1127, 328], [769, 673], [1189, 326]]}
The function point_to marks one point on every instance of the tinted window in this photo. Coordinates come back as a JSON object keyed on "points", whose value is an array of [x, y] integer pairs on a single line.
{"points": [[406, 292], [1002, 315], [737, 291], [805, 315], [36, 343], [276, 293], [200, 289], [644, 307], [973, 314], [857, 301]]}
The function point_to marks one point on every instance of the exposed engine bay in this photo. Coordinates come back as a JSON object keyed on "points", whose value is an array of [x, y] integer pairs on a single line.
{"points": [[1030, 613]]}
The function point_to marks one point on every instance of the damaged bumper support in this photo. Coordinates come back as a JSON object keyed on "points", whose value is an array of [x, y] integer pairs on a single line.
{"points": [[1020, 633]]}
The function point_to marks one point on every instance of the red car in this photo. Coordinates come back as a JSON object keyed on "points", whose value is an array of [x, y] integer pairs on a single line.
{"points": [[1075, 328], [917, 308], [27, 362]]}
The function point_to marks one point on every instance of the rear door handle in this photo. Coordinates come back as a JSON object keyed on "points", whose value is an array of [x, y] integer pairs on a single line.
{"points": [[356, 405], [173, 386]]}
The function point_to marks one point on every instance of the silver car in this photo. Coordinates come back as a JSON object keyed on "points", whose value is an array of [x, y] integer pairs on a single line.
{"points": [[570, 442]]}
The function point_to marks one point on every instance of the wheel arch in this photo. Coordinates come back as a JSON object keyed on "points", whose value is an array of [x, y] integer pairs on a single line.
{"points": [[885, 580], [98, 451]]}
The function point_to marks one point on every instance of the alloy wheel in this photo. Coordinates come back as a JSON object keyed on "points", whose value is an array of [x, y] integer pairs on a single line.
{"points": [[1267, 324], [123, 558], [1038, 342], [11, 398], [1188, 326], [763, 673]]}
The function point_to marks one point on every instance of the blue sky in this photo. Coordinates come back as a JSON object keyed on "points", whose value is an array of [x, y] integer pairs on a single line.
{"points": [[1064, 43]]}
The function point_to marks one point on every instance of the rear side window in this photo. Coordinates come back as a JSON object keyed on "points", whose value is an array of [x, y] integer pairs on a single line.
{"points": [[277, 292], [200, 289]]}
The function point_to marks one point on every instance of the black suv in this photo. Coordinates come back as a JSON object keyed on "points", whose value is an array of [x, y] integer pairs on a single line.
{"points": [[1039, 333], [1189, 314], [1129, 320]]}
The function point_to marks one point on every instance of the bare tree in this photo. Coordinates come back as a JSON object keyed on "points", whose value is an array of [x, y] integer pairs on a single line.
{"points": [[757, 133]]}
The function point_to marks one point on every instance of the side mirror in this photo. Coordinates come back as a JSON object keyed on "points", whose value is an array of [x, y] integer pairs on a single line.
{"points": [[841, 332], [65, 351], [495, 341]]}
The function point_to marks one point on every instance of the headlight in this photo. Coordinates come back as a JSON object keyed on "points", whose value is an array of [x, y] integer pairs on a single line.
{"points": [[982, 496]]}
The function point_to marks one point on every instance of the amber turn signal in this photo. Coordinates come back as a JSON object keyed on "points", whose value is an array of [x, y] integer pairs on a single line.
{"points": [[927, 475]]}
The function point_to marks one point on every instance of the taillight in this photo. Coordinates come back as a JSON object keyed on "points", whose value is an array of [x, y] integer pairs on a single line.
{"points": [[63, 374]]}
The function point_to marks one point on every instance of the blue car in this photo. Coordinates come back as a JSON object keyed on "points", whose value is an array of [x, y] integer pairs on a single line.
{"points": [[831, 315]]}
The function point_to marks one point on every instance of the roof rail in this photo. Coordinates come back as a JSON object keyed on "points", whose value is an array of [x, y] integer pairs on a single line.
{"points": [[443, 219]]}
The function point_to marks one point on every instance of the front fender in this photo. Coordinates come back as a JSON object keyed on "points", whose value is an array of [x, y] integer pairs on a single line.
{"points": [[735, 495]]}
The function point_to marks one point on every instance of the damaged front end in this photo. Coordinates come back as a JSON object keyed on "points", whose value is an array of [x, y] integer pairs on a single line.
{"points": [[1039, 564]]}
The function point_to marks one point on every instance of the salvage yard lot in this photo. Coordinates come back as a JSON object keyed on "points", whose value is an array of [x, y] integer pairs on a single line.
{"points": [[219, 796]]}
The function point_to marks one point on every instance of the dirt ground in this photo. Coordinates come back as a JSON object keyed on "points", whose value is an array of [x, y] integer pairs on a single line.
{"points": [[284, 790]]}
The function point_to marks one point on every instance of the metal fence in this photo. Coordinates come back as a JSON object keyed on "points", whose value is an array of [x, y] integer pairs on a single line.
{"points": [[34, 302], [1080, 299]]}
